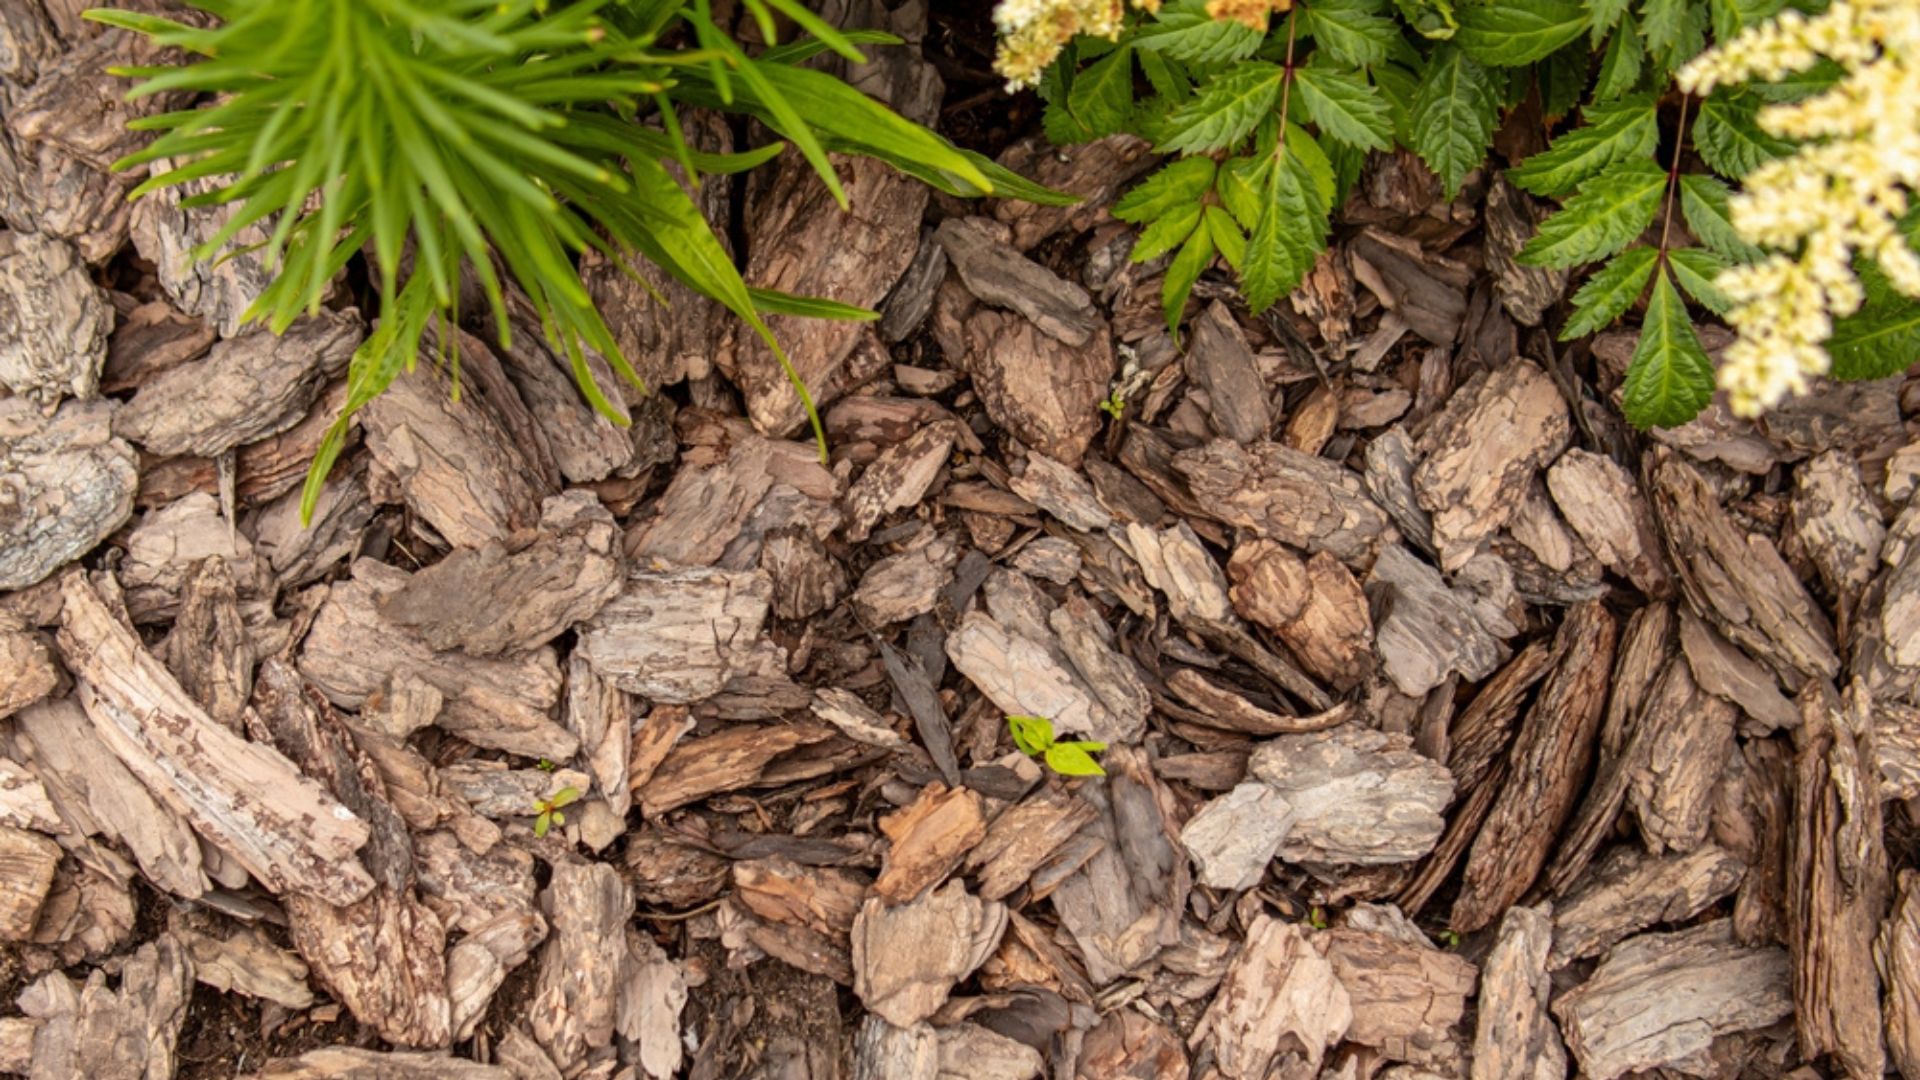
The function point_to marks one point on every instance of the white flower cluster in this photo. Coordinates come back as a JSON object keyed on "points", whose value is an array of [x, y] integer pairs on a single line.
{"points": [[1032, 32], [1838, 196]]}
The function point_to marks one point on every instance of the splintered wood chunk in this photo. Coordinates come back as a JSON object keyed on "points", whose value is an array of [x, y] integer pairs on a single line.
{"points": [[1280, 996], [23, 800], [1725, 671], [907, 958], [577, 991], [851, 716], [210, 649], [822, 899], [972, 1052], [27, 862], [1900, 953], [1175, 562], [732, 758], [246, 962], [485, 601], [1630, 891], [165, 545], [601, 717], [27, 671], [1428, 630], [56, 319], [1682, 742], [1736, 580], [1023, 677], [651, 999], [1359, 796], [901, 586], [1516, 1039], [1062, 492], [1604, 505], [1837, 887], [70, 484], [1095, 172], [1122, 900], [898, 478], [806, 579], [1481, 453], [1511, 220], [1315, 606], [1837, 524], [1224, 708], [353, 1063], [1126, 1045], [1282, 494], [882, 1051], [1035, 384], [1232, 838], [129, 1032], [1407, 997], [482, 961], [997, 274], [1659, 1001], [1219, 362], [1023, 837], [244, 390], [586, 445], [724, 476], [930, 836], [1086, 637], [673, 635], [245, 798]]}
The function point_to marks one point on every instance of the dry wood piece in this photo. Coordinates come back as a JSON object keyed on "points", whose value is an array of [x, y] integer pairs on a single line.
{"points": [[246, 962], [27, 671], [1406, 996], [16, 1043], [163, 548], [1426, 631], [482, 961], [1358, 796], [1095, 172], [1034, 384], [901, 586], [1280, 998], [1604, 505], [882, 1051], [1525, 291], [851, 716], [1899, 958], [1725, 671], [166, 234], [972, 1052], [585, 445], [244, 390], [1282, 494], [1028, 676], [1629, 891], [27, 861], [599, 715], [1681, 745], [70, 485], [246, 799], [1062, 492], [1315, 606], [1232, 838], [1125, 880], [1224, 708], [907, 958], [1481, 453], [486, 602], [1837, 887], [23, 800], [209, 648], [1426, 292], [1516, 1039], [930, 836], [997, 274], [806, 580], [732, 758], [53, 320], [583, 962], [1219, 362], [1836, 523], [130, 1032], [353, 1063], [1659, 1001], [898, 478], [676, 636], [726, 475], [1022, 838], [1128, 1046], [1737, 581]]}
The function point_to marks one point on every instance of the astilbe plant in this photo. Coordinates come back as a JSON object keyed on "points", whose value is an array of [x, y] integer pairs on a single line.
{"points": [[503, 138]]}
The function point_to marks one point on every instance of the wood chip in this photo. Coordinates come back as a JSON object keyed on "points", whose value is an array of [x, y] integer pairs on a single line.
{"points": [[930, 836], [1232, 838], [1280, 998], [733, 758], [132, 1031], [1630, 891], [1220, 363], [1062, 492], [1481, 453], [898, 478], [27, 862], [353, 1063], [1121, 902], [676, 636], [27, 671], [1035, 384], [73, 479], [1516, 1038], [166, 543], [1426, 630], [55, 321], [972, 1052], [1407, 997], [1095, 172], [1726, 672], [1282, 494], [997, 274], [576, 993], [907, 958], [1358, 796], [1682, 744], [1022, 838], [1603, 504], [1899, 953], [901, 586], [246, 962], [1316, 607]]}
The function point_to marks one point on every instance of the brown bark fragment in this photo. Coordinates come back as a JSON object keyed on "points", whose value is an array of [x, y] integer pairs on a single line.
{"points": [[1407, 997], [1682, 742], [997, 274], [1282, 494], [1899, 959], [676, 636], [27, 862], [128, 1033], [1316, 607], [1630, 891], [1426, 630], [576, 994], [1232, 838], [1033, 384], [27, 671], [1220, 363], [907, 958], [354, 1063], [1358, 796], [1516, 1038], [930, 836], [1022, 838], [1280, 997], [71, 485], [734, 757], [898, 478], [1604, 505], [53, 321], [1096, 172], [1481, 452]]}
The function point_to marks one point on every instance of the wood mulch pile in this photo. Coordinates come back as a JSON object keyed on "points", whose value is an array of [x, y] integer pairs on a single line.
{"points": [[1455, 729]]}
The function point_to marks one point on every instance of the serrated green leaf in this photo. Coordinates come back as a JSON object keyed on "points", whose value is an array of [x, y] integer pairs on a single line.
{"points": [[1182, 272], [1100, 101], [1168, 231], [1453, 117], [1242, 187], [1562, 79], [1167, 77], [1289, 235], [1431, 19], [1225, 110], [1509, 33], [1352, 32], [1670, 378], [1032, 734], [1675, 30], [1729, 138], [1608, 213], [1603, 14], [1610, 292], [1398, 86], [1184, 31], [1799, 85], [1613, 132], [1226, 236], [1073, 759], [1695, 269], [1177, 183], [1344, 106], [1882, 338], [1732, 16], [1315, 166], [1703, 203], [1621, 66]]}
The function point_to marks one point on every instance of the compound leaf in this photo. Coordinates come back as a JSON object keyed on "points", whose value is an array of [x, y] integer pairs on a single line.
{"points": [[1670, 378], [1610, 292], [1608, 213]]}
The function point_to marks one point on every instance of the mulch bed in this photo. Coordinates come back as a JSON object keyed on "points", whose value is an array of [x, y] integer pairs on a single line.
{"points": [[1454, 728]]}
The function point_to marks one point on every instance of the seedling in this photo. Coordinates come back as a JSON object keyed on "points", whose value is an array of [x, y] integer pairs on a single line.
{"points": [[547, 811], [1114, 405], [1034, 735], [545, 765]]}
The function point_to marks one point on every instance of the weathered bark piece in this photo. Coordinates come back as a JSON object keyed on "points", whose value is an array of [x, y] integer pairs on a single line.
{"points": [[806, 579], [353, 653], [1511, 220], [1232, 838], [1659, 1001], [997, 274], [1359, 796], [1122, 903], [1516, 1039], [898, 478], [1095, 172], [302, 553], [482, 961], [1837, 524], [53, 321], [1427, 292], [244, 390], [1022, 838], [1899, 958], [486, 602], [654, 736], [600, 716], [907, 958], [851, 716], [930, 836], [72, 485], [248, 800], [1128, 1046], [1219, 362], [1629, 891], [1086, 637], [1604, 505], [1681, 745], [16, 1043], [1406, 996], [166, 234], [124, 1034], [210, 649], [1282, 494], [1280, 998], [1221, 707], [907, 584], [1315, 606], [1043, 389], [651, 999], [245, 962], [907, 306], [972, 1052], [354, 1063], [23, 800], [1062, 492], [27, 862], [1426, 630], [27, 671], [1725, 671], [676, 636], [495, 790], [727, 472], [1837, 887], [163, 548], [734, 757], [583, 962], [1737, 581], [882, 1051], [1481, 452], [585, 445]]}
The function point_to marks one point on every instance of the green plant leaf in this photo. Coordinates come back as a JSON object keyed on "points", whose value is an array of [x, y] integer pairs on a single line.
{"points": [[1882, 338], [1226, 235], [1344, 106], [1184, 31], [1032, 734], [1073, 759], [1603, 15], [1175, 184], [1732, 16], [1670, 378], [566, 796], [1509, 33], [1610, 292], [1453, 117], [1615, 131], [1609, 212], [1621, 66], [1703, 203], [1352, 32], [1694, 269], [1182, 272], [1225, 110], [1675, 30], [541, 824], [1288, 236], [1101, 100], [1164, 234], [1562, 78], [1729, 137], [1431, 19]]}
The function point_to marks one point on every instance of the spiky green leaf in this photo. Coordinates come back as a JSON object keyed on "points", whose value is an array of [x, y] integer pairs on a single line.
{"points": [[1703, 203], [1177, 183], [1882, 339], [1352, 32], [1610, 292], [1182, 272], [1289, 235], [1729, 137], [1454, 114], [1615, 131], [1675, 30], [1074, 759], [1509, 33], [1608, 213], [1183, 31], [1694, 269], [1225, 110], [1344, 106], [1101, 98], [1670, 378], [1621, 66]]}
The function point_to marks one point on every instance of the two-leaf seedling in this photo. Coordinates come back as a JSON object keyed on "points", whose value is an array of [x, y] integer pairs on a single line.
{"points": [[547, 811], [1034, 735]]}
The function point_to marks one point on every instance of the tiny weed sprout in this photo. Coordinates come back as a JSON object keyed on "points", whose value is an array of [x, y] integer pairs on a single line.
{"points": [[1034, 736], [1114, 405], [547, 811], [545, 765]]}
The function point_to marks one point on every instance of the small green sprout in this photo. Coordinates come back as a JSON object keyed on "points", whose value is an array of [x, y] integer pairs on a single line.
{"points": [[547, 811], [1316, 917], [545, 765], [1114, 405], [1034, 735], [1450, 938]]}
